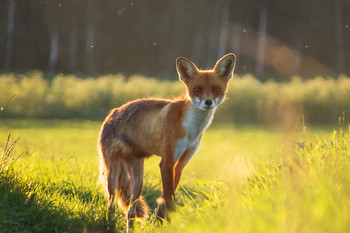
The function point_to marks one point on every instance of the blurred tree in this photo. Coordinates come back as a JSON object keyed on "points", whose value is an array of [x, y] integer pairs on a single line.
{"points": [[339, 35], [261, 48], [90, 37], [224, 28], [73, 36], [10, 34]]}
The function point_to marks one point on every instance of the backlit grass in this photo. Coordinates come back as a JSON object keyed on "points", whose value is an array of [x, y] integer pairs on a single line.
{"points": [[244, 178]]}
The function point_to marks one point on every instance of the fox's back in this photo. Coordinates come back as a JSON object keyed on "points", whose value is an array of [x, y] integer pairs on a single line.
{"points": [[137, 125], [130, 112]]}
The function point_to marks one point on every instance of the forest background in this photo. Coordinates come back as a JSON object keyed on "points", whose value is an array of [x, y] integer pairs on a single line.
{"points": [[271, 38]]}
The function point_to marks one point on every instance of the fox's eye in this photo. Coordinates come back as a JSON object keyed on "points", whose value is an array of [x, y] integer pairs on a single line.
{"points": [[197, 89], [216, 89]]}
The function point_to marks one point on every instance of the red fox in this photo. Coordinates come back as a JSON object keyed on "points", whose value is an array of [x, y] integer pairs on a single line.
{"points": [[171, 129]]}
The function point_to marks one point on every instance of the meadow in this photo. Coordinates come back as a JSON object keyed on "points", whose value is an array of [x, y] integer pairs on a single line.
{"points": [[265, 165], [244, 178]]}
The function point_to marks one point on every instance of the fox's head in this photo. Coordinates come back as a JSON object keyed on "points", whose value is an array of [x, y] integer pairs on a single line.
{"points": [[206, 88]]}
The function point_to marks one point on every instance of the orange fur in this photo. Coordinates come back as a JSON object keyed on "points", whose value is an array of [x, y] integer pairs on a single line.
{"points": [[171, 129]]}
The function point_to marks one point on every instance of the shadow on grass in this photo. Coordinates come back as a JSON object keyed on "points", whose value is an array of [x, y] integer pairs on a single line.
{"points": [[87, 196], [31, 207], [26, 208]]}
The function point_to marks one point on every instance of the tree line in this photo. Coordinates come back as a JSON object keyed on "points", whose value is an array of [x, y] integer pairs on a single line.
{"points": [[269, 37]]}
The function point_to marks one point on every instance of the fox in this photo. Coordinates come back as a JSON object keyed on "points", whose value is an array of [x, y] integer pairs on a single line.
{"points": [[171, 129]]}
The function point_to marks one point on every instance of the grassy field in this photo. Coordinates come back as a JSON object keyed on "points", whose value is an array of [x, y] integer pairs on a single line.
{"points": [[244, 178]]}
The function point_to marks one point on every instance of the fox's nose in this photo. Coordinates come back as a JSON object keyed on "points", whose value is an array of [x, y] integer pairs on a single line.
{"points": [[208, 102]]}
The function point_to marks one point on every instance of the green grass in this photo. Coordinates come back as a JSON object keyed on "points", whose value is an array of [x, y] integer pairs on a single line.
{"points": [[244, 178]]}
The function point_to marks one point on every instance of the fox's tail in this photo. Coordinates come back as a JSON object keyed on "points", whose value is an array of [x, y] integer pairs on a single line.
{"points": [[121, 184], [124, 196]]}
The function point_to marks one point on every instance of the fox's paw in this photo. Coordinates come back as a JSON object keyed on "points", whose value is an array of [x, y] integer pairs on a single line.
{"points": [[161, 211]]}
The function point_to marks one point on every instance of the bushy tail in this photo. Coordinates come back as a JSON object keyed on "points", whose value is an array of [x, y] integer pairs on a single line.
{"points": [[123, 191], [142, 209], [124, 196]]}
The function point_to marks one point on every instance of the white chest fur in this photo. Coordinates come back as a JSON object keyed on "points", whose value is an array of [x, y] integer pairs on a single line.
{"points": [[195, 122]]}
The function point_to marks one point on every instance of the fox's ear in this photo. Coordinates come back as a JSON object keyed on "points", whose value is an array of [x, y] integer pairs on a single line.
{"points": [[225, 66], [186, 69]]}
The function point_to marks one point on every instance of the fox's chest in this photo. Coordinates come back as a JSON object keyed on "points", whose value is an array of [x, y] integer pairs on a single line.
{"points": [[194, 123]]}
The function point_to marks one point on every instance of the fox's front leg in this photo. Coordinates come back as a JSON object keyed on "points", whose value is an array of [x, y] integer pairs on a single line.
{"points": [[166, 204], [179, 166]]}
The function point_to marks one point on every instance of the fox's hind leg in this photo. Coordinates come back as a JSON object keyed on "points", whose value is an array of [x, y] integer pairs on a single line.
{"points": [[135, 170]]}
